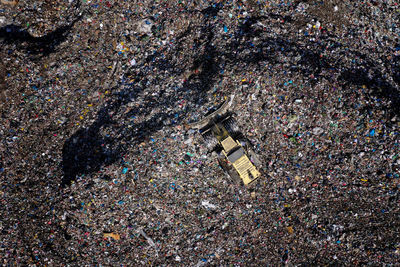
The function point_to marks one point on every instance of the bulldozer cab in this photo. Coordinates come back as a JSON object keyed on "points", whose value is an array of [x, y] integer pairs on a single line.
{"points": [[219, 132]]}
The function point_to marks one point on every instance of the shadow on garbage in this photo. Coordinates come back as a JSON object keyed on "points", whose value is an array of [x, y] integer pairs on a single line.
{"points": [[86, 151], [36, 46], [363, 71]]}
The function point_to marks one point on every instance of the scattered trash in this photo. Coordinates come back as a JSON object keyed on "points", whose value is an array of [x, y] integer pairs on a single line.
{"points": [[318, 131], [9, 2], [132, 62], [290, 229], [112, 235], [100, 164], [149, 240], [207, 204]]}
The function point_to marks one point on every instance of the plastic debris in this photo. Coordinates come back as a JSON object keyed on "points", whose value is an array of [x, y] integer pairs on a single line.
{"points": [[98, 100], [115, 236]]}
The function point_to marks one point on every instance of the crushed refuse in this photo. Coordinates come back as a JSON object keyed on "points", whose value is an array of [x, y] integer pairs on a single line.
{"points": [[99, 164]]}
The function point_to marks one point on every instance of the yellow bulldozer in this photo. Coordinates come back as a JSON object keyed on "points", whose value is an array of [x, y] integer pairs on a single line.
{"points": [[222, 135]]}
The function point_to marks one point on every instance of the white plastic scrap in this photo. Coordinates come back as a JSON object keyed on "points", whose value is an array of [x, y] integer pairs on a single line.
{"points": [[207, 204], [132, 62], [149, 240], [318, 130]]}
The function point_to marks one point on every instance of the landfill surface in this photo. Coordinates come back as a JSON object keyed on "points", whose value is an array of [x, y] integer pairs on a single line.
{"points": [[99, 165]]}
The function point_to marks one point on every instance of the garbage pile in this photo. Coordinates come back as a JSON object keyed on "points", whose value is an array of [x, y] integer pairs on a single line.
{"points": [[99, 166]]}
